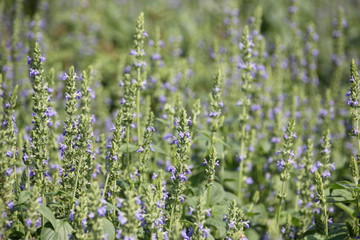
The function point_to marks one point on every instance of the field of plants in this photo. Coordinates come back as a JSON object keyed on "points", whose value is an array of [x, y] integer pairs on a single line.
{"points": [[179, 120]]}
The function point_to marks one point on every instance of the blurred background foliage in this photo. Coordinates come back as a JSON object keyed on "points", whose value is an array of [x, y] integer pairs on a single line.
{"points": [[83, 32]]}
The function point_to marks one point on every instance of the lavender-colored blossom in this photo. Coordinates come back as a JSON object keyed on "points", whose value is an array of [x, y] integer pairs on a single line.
{"points": [[121, 218], [8, 171], [28, 222], [208, 212], [191, 210], [133, 52], [34, 72], [72, 215]]}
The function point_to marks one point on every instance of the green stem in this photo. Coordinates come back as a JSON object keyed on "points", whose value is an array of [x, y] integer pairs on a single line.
{"points": [[281, 198], [171, 219], [241, 166], [138, 107], [208, 197], [106, 183], [127, 148], [76, 182], [326, 221], [357, 210]]}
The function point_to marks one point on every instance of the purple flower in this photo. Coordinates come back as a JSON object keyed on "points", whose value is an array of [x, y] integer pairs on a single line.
{"points": [[208, 212], [154, 176], [150, 129], [72, 215], [280, 165], [34, 72], [42, 58], [184, 235], [78, 95], [156, 57], [182, 177], [326, 173], [133, 52], [8, 171], [249, 180], [10, 204], [190, 212], [121, 218], [138, 215], [29, 60], [9, 223], [205, 231], [28, 222]]}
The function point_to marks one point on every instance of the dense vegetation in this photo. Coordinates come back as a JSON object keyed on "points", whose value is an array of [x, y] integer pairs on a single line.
{"points": [[175, 120]]}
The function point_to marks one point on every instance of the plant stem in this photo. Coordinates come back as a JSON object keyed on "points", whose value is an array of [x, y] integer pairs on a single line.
{"points": [[241, 166], [76, 182], [138, 106], [326, 221], [281, 198], [171, 219], [106, 183], [127, 148]]}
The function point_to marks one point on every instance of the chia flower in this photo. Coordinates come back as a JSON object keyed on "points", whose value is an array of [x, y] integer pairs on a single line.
{"points": [[28, 222], [34, 72], [191, 210], [208, 212]]}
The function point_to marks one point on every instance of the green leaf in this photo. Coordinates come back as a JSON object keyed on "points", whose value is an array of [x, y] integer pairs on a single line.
{"points": [[163, 121], [48, 214], [210, 237], [314, 237], [219, 225], [339, 195], [62, 232], [206, 133], [24, 196], [132, 148], [351, 212], [112, 207], [108, 229], [159, 149], [344, 185], [216, 193], [337, 231]]}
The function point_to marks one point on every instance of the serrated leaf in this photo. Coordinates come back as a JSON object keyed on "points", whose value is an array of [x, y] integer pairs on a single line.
{"points": [[206, 133], [314, 237], [339, 195], [109, 229], [216, 193], [344, 185], [158, 149], [210, 237], [48, 214], [23, 197], [162, 121], [219, 225], [62, 232], [337, 232], [112, 207], [132, 148]]}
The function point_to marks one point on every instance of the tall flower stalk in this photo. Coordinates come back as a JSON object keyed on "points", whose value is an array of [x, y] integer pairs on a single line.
{"points": [[353, 96], [285, 164], [139, 63], [39, 133]]}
